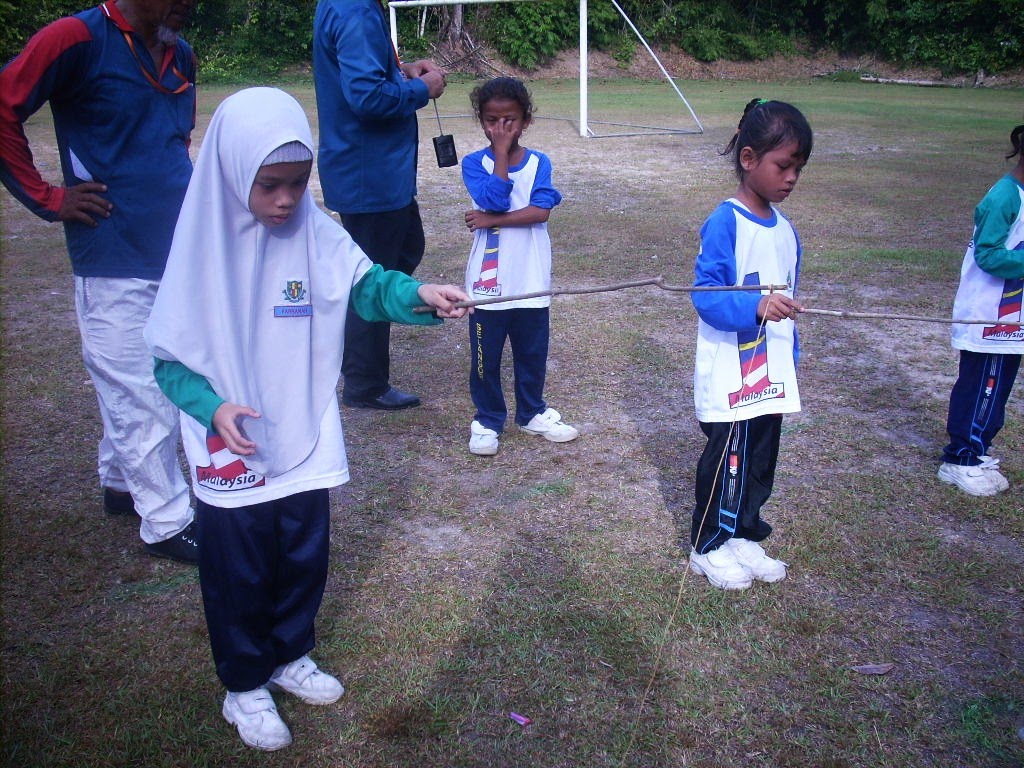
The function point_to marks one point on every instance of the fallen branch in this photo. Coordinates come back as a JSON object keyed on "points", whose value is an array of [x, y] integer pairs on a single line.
{"points": [[902, 81]]}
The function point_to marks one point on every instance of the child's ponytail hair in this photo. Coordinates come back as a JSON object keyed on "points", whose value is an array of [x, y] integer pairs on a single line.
{"points": [[766, 125], [1017, 140]]}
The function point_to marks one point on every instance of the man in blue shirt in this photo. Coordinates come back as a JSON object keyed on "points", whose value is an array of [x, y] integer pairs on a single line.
{"points": [[121, 86], [367, 101]]}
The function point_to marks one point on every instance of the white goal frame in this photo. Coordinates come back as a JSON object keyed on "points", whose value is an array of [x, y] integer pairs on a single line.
{"points": [[584, 123]]}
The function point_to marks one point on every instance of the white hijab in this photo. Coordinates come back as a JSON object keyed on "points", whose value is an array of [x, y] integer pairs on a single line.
{"points": [[226, 273]]}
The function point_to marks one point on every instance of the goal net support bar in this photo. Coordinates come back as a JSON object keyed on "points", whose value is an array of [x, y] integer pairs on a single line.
{"points": [[584, 122]]}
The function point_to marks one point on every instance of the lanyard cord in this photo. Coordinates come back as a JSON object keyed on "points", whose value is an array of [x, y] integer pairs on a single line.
{"points": [[185, 84]]}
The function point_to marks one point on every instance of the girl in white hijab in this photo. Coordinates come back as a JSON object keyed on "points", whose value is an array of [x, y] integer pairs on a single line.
{"points": [[248, 329]]}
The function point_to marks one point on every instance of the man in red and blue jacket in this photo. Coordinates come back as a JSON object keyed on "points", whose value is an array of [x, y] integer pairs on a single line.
{"points": [[121, 87]]}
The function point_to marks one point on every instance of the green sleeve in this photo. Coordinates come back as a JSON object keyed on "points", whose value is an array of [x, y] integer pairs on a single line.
{"points": [[993, 218], [188, 390], [388, 295]]}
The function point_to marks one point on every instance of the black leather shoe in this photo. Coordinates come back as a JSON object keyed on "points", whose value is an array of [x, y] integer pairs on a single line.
{"points": [[183, 546], [392, 400], [118, 502]]}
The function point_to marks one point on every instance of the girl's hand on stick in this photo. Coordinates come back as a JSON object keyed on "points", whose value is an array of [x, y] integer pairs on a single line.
{"points": [[777, 306], [442, 298]]}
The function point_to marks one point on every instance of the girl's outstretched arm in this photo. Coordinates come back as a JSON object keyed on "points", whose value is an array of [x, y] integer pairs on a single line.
{"points": [[389, 295]]}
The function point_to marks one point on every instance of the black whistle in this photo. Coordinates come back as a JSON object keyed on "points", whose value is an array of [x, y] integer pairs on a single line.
{"points": [[444, 145]]}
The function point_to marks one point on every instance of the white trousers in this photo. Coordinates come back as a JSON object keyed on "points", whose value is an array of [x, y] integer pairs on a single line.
{"points": [[139, 449]]}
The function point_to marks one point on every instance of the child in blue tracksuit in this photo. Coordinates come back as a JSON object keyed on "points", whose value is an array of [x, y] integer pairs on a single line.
{"points": [[512, 199], [991, 287], [744, 378]]}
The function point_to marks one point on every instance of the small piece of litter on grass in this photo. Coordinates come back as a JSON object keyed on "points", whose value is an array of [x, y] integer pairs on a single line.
{"points": [[521, 719], [874, 669]]}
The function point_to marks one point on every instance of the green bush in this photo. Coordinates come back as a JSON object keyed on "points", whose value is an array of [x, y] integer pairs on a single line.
{"points": [[412, 45], [526, 34], [236, 38], [954, 35], [623, 49], [19, 21]]}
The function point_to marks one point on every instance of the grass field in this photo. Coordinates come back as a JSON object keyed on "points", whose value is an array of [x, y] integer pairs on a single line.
{"points": [[549, 580]]}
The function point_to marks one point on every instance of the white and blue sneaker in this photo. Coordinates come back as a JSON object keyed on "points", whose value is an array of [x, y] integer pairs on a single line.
{"points": [[977, 480], [721, 568], [549, 425], [482, 441], [991, 465], [302, 678], [751, 556], [255, 715]]}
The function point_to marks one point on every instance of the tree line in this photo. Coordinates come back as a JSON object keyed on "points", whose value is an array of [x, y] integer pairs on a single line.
{"points": [[245, 39]]}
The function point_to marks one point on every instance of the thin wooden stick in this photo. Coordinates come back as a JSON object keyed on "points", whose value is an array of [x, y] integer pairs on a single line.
{"points": [[656, 281], [913, 318], [659, 282]]}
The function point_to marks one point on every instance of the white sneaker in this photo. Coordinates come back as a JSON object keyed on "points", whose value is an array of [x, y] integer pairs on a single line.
{"points": [[482, 441], [549, 424], [722, 569], [991, 465], [751, 556], [302, 678], [255, 716], [976, 481]]}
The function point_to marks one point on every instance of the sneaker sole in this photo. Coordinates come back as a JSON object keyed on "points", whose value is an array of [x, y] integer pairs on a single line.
{"points": [[720, 583], [253, 744], [483, 451], [771, 578], [1001, 483], [548, 437], [970, 491]]}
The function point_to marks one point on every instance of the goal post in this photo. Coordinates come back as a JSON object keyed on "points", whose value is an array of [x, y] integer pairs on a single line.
{"points": [[584, 120]]}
